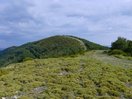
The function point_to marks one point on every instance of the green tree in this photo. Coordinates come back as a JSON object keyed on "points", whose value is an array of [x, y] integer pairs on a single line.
{"points": [[120, 43], [129, 48]]}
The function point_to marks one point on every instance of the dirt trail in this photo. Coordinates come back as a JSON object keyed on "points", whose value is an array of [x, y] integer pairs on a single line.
{"points": [[81, 42], [99, 55]]}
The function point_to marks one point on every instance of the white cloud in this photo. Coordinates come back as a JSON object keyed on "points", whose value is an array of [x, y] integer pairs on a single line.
{"points": [[96, 20]]}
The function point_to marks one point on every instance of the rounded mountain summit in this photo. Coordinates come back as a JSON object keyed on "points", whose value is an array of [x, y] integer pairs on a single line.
{"points": [[54, 46]]}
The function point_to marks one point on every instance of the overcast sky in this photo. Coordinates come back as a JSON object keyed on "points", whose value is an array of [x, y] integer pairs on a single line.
{"points": [[100, 21]]}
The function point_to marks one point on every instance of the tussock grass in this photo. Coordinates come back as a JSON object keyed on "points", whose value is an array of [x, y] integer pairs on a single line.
{"points": [[80, 77]]}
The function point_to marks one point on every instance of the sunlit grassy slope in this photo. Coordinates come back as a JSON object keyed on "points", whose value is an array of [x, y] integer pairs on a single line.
{"points": [[78, 77]]}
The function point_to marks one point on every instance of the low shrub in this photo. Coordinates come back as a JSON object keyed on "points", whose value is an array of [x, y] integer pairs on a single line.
{"points": [[117, 52]]}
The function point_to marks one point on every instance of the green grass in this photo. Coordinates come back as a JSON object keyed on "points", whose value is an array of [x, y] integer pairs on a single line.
{"points": [[80, 77], [116, 60], [55, 46]]}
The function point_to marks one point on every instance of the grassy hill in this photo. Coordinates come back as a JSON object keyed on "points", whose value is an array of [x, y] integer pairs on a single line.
{"points": [[91, 45], [55, 46], [80, 77]]}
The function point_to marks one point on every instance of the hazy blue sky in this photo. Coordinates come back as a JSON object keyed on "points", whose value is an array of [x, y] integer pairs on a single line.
{"points": [[101, 21]]}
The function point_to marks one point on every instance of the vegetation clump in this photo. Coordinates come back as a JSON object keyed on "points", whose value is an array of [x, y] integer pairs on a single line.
{"points": [[121, 46]]}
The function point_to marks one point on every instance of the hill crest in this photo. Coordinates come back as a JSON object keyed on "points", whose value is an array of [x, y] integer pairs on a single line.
{"points": [[55, 46]]}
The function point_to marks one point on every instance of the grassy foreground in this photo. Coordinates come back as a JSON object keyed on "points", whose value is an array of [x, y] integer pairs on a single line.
{"points": [[79, 77]]}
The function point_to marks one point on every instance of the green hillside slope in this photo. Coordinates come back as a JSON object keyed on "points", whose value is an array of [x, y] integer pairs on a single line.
{"points": [[55, 46], [91, 45], [81, 77]]}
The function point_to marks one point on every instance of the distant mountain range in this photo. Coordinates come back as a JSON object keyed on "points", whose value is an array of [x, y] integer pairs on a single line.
{"points": [[55, 46]]}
